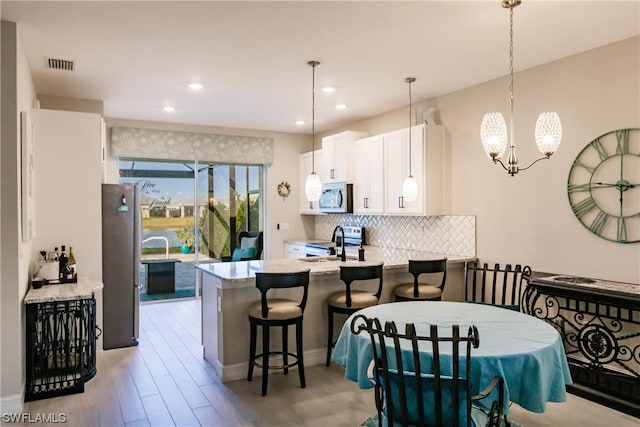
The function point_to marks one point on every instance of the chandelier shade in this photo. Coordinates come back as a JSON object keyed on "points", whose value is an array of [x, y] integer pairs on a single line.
{"points": [[548, 133], [493, 134], [313, 184]]}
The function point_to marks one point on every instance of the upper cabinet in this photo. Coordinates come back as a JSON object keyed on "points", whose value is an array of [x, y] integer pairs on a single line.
{"points": [[368, 178], [307, 207], [426, 167], [335, 152]]}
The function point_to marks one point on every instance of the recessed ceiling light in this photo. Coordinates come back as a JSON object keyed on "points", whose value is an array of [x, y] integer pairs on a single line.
{"points": [[299, 122], [341, 106], [328, 89], [168, 109], [195, 86]]}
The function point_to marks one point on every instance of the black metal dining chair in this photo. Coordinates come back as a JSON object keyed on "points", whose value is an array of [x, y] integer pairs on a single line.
{"points": [[410, 392], [503, 287], [422, 290]]}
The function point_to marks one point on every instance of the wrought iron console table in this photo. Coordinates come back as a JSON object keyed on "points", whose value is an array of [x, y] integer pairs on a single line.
{"points": [[600, 324]]}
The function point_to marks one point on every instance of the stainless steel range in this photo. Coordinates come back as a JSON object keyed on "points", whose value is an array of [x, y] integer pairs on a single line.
{"points": [[353, 236]]}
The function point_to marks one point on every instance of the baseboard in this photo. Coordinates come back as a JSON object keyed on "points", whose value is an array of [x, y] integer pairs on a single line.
{"points": [[238, 371], [11, 404]]}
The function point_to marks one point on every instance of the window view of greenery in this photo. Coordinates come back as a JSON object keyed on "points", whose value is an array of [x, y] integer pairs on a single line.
{"points": [[229, 201]]}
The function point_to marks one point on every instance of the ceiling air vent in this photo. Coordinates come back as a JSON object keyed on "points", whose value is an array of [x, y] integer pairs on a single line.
{"points": [[60, 64]]}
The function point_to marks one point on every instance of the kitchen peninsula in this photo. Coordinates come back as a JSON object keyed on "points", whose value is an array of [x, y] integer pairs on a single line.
{"points": [[229, 288]]}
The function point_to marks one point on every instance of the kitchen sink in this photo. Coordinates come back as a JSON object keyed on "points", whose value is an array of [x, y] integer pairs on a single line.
{"points": [[326, 258]]}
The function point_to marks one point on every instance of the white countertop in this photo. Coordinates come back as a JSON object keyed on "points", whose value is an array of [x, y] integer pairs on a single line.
{"points": [[84, 289], [392, 258]]}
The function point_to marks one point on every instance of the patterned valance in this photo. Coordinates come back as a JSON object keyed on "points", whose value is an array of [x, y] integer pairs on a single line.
{"points": [[203, 147]]}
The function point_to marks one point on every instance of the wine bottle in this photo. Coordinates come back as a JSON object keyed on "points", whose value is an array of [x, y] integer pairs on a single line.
{"points": [[63, 262], [71, 265]]}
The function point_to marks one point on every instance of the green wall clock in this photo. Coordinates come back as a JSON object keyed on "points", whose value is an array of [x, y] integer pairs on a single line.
{"points": [[604, 186]]}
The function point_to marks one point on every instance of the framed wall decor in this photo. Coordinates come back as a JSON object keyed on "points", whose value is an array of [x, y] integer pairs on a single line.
{"points": [[27, 177]]}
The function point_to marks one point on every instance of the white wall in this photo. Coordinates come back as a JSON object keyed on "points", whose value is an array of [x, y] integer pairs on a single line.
{"points": [[527, 218], [287, 146], [18, 94], [68, 193]]}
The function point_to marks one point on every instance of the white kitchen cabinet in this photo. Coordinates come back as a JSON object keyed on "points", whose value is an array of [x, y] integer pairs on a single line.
{"points": [[426, 167], [368, 175], [306, 207], [295, 250], [335, 151]]}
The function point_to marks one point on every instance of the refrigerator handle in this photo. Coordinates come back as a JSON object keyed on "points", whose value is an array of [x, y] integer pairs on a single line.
{"points": [[136, 312]]}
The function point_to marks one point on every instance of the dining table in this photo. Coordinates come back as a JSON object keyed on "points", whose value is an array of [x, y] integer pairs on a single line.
{"points": [[525, 351]]}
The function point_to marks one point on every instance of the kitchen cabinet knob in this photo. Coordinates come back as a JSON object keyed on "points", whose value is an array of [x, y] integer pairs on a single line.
{"points": [[366, 202], [401, 202], [333, 173]]}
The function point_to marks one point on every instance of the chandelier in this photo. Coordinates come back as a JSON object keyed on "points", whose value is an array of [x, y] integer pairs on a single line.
{"points": [[493, 130], [313, 185]]}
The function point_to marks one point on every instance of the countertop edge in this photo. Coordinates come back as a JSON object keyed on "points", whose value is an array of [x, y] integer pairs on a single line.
{"points": [[85, 288]]}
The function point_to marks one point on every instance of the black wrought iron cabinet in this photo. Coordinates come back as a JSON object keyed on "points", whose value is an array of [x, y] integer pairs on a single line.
{"points": [[60, 340], [600, 324]]}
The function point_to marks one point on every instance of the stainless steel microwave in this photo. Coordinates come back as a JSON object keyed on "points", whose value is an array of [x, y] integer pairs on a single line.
{"points": [[337, 197]]}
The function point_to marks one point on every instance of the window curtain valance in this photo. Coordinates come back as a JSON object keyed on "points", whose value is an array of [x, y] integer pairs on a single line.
{"points": [[203, 147]]}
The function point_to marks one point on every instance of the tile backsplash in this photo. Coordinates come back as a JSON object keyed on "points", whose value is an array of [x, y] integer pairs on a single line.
{"points": [[448, 234]]}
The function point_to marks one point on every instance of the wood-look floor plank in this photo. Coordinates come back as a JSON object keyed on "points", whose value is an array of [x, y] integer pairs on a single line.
{"points": [[130, 403], [207, 416], [176, 404], [157, 412], [189, 389]]}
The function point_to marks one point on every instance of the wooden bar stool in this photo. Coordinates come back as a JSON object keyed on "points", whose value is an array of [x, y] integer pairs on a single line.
{"points": [[278, 312], [350, 301], [423, 291]]}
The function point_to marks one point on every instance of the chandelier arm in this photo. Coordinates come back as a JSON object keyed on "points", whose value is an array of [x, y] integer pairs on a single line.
{"points": [[545, 157], [497, 160]]}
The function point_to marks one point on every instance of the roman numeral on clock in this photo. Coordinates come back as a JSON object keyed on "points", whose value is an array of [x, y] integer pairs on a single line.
{"points": [[622, 229], [622, 136], [598, 223], [575, 188], [582, 165], [597, 144], [584, 206]]}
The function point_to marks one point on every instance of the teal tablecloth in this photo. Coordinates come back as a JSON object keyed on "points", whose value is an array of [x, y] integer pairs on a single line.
{"points": [[525, 351]]}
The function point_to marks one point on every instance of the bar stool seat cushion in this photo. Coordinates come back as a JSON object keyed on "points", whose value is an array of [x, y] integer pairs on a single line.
{"points": [[359, 299], [279, 309], [425, 291]]}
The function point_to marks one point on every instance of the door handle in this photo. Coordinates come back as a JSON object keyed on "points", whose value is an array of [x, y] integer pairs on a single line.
{"points": [[401, 202], [366, 203], [332, 173]]}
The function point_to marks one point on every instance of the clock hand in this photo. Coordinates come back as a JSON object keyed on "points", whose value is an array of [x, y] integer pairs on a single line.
{"points": [[621, 185]]}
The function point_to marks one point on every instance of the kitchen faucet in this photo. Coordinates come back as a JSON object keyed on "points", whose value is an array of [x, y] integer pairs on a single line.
{"points": [[343, 255]]}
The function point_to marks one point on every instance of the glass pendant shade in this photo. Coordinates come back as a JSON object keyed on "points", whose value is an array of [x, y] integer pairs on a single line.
{"points": [[313, 187], [410, 189], [548, 133], [493, 134]]}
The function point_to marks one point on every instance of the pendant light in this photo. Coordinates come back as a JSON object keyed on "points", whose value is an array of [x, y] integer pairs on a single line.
{"points": [[410, 185], [313, 185], [493, 130]]}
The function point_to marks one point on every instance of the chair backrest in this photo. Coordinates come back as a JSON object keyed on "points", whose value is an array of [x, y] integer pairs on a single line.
{"points": [[418, 267], [496, 286], [415, 391], [267, 281], [349, 274], [254, 239]]}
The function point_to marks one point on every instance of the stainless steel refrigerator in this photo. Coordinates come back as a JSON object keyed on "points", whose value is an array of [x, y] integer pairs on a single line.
{"points": [[121, 235]]}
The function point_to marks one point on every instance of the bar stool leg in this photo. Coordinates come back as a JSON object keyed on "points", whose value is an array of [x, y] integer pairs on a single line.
{"points": [[299, 351], [252, 348], [330, 337], [285, 348], [265, 358]]}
